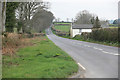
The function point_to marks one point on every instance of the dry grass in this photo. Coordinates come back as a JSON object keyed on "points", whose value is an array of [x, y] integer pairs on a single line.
{"points": [[42, 60], [12, 42]]}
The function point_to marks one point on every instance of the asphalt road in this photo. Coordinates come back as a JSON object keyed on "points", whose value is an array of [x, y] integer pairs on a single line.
{"points": [[98, 60]]}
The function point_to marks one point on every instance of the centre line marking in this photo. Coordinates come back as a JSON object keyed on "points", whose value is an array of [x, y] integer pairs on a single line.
{"points": [[106, 52], [88, 46], [100, 49], [95, 48], [117, 54], [111, 53]]}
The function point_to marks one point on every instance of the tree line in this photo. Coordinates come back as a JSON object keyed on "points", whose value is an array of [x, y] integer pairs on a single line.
{"points": [[25, 16], [84, 17]]}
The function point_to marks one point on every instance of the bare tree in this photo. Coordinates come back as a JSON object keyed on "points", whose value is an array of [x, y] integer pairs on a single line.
{"points": [[58, 19], [67, 19], [26, 11], [84, 17], [42, 20], [72, 20]]}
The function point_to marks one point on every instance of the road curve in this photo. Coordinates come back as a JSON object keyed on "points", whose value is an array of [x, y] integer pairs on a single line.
{"points": [[99, 61]]}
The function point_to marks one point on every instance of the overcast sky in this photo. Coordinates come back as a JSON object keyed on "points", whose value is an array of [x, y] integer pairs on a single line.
{"points": [[105, 9]]}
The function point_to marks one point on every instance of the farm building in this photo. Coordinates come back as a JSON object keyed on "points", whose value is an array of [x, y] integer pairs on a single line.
{"points": [[77, 29]]}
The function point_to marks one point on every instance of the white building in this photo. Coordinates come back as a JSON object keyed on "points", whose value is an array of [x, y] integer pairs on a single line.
{"points": [[78, 29]]}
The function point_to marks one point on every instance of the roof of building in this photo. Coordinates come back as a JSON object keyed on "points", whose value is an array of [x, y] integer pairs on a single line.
{"points": [[82, 26]]}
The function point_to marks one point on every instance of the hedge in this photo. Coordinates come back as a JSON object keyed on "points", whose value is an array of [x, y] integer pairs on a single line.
{"points": [[103, 34]]}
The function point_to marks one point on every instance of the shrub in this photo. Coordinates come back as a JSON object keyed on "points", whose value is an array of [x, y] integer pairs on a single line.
{"points": [[105, 34], [10, 43], [79, 37]]}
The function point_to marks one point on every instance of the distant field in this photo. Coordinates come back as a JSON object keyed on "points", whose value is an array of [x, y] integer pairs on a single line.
{"points": [[62, 23], [113, 27], [63, 27]]}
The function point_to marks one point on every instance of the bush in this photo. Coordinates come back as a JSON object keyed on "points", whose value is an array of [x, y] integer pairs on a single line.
{"points": [[33, 35], [79, 37], [10, 43], [105, 35]]}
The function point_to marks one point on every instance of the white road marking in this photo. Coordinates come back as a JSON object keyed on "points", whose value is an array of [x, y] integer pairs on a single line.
{"points": [[116, 54], [100, 49], [97, 48], [81, 66], [88, 46], [106, 52]]}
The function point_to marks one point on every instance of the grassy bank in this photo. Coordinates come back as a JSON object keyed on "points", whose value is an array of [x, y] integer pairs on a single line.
{"points": [[115, 44], [42, 60]]}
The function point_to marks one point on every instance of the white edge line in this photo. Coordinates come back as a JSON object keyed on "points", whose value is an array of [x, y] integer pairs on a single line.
{"points": [[117, 54], [81, 66]]}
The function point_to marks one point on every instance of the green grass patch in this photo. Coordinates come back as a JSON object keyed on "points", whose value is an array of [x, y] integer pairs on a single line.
{"points": [[113, 27], [65, 28], [62, 23], [43, 60]]}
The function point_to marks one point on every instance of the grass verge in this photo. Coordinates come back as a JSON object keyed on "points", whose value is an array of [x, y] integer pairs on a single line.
{"points": [[92, 41], [42, 60], [98, 42]]}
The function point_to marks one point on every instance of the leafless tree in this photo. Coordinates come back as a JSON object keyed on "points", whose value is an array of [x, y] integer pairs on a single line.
{"points": [[67, 19], [84, 17], [42, 20], [26, 11]]}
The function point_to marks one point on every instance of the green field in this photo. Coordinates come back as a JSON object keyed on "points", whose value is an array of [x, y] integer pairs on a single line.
{"points": [[63, 27], [42, 60], [113, 27], [62, 23]]}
